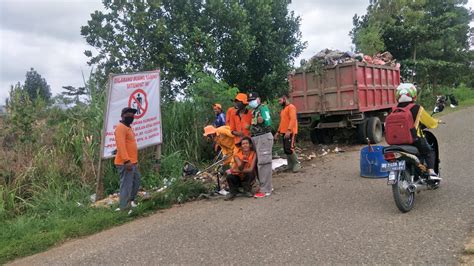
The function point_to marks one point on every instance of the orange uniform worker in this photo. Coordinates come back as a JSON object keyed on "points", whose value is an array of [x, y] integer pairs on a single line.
{"points": [[288, 128], [230, 113], [223, 137], [126, 159], [241, 120], [242, 173]]}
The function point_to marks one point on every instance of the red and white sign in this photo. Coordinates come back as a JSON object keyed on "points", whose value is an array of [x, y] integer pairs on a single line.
{"points": [[138, 100], [140, 91]]}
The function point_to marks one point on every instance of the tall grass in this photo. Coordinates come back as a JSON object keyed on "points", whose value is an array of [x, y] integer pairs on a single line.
{"points": [[49, 149], [48, 168]]}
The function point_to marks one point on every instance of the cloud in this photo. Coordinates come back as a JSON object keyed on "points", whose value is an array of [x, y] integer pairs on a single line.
{"points": [[58, 61], [44, 35], [54, 18], [326, 24]]}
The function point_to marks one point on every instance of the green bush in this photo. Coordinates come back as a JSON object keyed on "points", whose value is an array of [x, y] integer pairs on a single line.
{"points": [[427, 95]]}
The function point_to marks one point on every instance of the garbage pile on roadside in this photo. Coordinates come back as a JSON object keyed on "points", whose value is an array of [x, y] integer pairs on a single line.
{"points": [[329, 57], [113, 199], [322, 151], [212, 176]]}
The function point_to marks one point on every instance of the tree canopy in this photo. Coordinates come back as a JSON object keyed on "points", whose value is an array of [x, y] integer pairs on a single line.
{"points": [[36, 86], [248, 44], [430, 38]]}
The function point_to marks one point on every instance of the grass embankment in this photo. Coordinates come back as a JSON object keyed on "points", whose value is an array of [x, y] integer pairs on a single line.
{"points": [[35, 232], [48, 166]]}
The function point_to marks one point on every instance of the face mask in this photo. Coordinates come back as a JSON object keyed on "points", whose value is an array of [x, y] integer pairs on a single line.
{"points": [[283, 103], [239, 106], [128, 120], [253, 104]]}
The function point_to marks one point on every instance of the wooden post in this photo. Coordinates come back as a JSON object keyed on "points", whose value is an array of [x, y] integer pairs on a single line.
{"points": [[158, 158], [99, 193]]}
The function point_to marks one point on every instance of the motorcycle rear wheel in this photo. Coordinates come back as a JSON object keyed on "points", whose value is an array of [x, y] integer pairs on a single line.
{"points": [[404, 199]]}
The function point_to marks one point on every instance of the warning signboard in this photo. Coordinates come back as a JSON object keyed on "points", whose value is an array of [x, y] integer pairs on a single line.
{"points": [[138, 100], [140, 91]]}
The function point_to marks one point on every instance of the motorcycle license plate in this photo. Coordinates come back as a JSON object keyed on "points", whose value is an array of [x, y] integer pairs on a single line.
{"points": [[393, 166], [392, 178]]}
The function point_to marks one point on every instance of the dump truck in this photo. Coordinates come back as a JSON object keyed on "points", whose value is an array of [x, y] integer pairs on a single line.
{"points": [[348, 96]]}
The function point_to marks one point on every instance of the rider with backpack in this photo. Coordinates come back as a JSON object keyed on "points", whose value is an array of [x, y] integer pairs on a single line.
{"points": [[404, 125]]}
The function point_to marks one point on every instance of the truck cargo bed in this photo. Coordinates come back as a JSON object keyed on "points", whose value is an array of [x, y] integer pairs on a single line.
{"points": [[344, 89]]}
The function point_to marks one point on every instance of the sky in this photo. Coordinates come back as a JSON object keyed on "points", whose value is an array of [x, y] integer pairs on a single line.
{"points": [[45, 35]]}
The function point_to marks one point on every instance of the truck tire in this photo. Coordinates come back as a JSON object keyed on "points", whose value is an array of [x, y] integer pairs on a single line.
{"points": [[324, 135], [374, 130], [313, 134], [362, 132]]}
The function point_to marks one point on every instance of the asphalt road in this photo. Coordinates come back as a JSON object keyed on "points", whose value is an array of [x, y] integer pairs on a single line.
{"points": [[326, 215]]}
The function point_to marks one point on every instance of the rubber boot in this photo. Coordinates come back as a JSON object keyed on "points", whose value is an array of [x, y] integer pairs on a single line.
{"points": [[296, 167], [290, 162]]}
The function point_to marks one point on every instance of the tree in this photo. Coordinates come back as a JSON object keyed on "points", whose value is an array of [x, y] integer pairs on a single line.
{"points": [[249, 44], [73, 94], [369, 40], [430, 38], [36, 86], [22, 113]]}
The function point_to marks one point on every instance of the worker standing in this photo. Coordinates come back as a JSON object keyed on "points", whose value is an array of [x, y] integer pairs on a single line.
{"points": [[241, 120], [288, 129], [261, 131], [126, 159], [220, 116]]}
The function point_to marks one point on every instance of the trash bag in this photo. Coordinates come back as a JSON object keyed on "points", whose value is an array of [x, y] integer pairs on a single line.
{"points": [[189, 169], [453, 100]]}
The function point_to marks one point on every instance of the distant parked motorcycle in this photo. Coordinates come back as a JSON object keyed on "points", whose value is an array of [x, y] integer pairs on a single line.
{"points": [[442, 101], [408, 173]]}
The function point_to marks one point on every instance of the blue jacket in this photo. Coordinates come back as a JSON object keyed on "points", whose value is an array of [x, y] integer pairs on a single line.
{"points": [[220, 120]]}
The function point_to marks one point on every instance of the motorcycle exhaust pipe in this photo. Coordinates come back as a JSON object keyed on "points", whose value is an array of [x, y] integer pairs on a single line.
{"points": [[417, 187]]}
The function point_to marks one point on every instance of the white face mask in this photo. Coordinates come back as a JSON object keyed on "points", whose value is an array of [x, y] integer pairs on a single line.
{"points": [[253, 104]]}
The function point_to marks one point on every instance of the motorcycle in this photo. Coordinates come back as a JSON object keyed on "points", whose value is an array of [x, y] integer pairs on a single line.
{"points": [[442, 101], [408, 173]]}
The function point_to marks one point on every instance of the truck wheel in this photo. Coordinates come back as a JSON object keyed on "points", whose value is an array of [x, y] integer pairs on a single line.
{"points": [[374, 130], [362, 132], [324, 135], [313, 134]]}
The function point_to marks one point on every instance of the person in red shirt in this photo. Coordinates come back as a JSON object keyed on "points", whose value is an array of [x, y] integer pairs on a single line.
{"points": [[126, 159], [288, 128], [241, 120], [243, 170]]}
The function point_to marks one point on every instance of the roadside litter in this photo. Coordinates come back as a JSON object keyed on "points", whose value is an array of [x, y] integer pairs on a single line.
{"points": [[114, 199], [213, 174], [277, 163]]}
